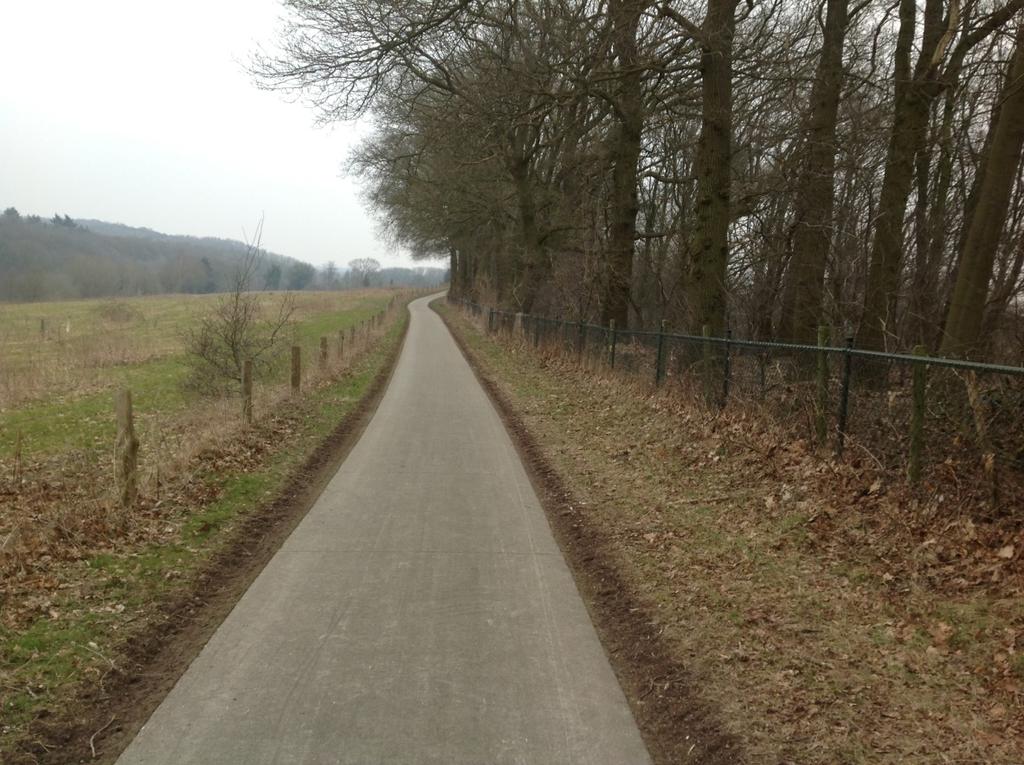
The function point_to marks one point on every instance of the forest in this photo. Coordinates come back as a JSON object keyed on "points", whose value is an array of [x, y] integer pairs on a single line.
{"points": [[763, 166], [63, 258]]}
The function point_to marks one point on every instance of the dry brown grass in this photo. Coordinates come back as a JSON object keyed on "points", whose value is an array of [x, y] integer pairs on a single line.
{"points": [[69, 347]]}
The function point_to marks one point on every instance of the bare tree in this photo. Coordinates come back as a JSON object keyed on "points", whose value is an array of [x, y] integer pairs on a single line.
{"points": [[998, 174], [815, 191], [364, 269], [766, 163], [237, 330], [329, 274]]}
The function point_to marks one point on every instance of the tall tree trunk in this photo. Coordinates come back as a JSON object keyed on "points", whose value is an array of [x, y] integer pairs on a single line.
{"points": [[998, 174], [625, 151], [914, 92], [453, 271], [815, 193], [535, 265], [465, 275], [706, 287], [925, 313]]}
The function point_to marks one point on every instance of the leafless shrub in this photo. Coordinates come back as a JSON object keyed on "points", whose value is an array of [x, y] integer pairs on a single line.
{"points": [[237, 329]]}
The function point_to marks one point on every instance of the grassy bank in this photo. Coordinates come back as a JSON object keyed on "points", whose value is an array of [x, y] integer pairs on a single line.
{"points": [[819, 619], [67, 624]]}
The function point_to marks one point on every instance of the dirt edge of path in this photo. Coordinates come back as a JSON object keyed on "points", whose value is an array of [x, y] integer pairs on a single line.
{"points": [[677, 725], [111, 714]]}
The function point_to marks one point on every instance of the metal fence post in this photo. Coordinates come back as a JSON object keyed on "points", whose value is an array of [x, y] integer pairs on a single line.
{"points": [[611, 343], [821, 415], [659, 363], [706, 352], [727, 376], [580, 338], [844, 397], [490, 321], [920, 372]]}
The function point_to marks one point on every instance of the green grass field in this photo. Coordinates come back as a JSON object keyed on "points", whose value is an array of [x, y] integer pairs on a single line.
{"points": [[61, 361]]}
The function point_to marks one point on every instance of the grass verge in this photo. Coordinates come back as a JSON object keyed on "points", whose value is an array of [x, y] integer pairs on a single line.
{"points": [[806, 619]]}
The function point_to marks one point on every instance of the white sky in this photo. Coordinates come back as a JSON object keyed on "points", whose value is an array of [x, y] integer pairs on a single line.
{"points": [[140, 112]]}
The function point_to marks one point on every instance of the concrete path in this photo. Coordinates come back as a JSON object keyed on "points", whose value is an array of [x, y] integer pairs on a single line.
{"points": [[420, 613]]}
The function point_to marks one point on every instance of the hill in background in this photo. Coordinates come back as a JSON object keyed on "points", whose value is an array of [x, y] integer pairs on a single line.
{"points": [[63, 257]]}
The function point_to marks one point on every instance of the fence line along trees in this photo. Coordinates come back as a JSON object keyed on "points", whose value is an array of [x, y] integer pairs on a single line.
{"points": [[763, 165]]}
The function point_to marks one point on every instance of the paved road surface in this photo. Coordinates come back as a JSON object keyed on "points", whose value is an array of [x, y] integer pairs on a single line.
{"points": [[420, 613]]}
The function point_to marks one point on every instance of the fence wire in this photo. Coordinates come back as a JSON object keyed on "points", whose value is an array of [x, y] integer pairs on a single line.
{"points": [[904, 413]]}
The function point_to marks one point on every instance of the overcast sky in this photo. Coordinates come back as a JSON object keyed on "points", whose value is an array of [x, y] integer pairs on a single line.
{"points": [[141, 112]]}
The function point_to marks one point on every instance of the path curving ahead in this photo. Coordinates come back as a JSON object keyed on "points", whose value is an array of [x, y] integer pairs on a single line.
{"points": [[420, 613]]}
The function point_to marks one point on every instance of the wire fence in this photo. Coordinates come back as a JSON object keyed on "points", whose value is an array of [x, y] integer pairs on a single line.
{"points": [[66, 349], [64, 463], [74, 435], [938, 420]]}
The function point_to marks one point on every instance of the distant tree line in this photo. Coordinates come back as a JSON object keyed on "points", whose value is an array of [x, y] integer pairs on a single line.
{"points": [[362, 273], [763, 165], [62, 258]]}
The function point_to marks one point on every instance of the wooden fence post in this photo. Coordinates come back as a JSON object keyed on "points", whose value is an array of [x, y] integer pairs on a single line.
{"points": [[296, 368], [247, 391], [17, 455], [341, 344], [920, 372], [126, 450], [323, 352]]}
